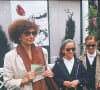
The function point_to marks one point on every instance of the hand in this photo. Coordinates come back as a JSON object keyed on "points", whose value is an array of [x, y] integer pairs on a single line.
{"points": [[74, 83], [98, 85], [67, 84], [31, 75], [48, 73]]}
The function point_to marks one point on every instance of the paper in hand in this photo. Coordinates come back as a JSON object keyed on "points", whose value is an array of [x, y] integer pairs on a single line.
{"points": [[39, 69]]}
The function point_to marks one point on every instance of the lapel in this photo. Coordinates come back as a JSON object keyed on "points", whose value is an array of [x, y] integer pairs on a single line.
{"points": [[64, 69], [76, 67]]}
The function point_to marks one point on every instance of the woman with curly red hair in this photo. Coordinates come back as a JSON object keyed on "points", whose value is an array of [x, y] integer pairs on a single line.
{"points": [[17, 63]]}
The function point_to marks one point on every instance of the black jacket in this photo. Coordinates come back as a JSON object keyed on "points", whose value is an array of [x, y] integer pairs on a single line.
{"points": [[61, 74]]}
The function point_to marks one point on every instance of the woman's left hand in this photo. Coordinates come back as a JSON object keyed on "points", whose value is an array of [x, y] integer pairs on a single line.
{"points": [[48, 73]]}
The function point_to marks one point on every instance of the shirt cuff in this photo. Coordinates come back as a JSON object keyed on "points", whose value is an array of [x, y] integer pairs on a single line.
{"points": [[18, 82]]}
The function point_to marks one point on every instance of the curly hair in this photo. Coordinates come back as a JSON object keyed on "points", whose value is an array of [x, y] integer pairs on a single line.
{"points": [[16, 29]]}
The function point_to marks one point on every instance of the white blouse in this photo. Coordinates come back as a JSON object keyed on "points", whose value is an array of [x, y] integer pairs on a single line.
{"points": [[69, 64], [91, 57]]}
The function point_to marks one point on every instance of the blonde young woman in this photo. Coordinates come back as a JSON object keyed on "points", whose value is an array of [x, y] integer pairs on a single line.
{"points": [[69, 73]]}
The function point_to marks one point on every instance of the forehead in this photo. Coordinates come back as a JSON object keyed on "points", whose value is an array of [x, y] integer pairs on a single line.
{"points": [[30, 30], [91, 41], [69, 44]]}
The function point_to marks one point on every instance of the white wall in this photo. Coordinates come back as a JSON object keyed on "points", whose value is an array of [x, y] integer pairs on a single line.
{"points": [[57, 22], [85, 18]]}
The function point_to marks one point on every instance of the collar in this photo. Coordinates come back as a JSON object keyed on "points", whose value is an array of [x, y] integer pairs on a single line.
{"points": [[68, 61]]}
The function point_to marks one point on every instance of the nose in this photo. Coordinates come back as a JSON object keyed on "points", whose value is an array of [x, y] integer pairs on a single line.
{"points": [[70, 50], [90, 47], [31, 35]]}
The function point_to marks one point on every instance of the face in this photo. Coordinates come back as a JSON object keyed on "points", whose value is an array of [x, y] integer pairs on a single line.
{"points": [[69, 50], [91, 46], [28, 37]]}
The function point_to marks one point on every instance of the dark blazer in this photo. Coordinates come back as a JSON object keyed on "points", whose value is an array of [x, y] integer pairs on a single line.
{"points": [[61, 74]]}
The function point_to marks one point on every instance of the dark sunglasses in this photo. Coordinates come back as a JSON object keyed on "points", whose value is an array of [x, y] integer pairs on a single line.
{"points": [[68, 49], [28, 33], [91, 45]]}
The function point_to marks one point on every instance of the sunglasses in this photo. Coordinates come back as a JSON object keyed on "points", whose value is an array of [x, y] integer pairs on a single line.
{"points": [[69, 49], [28, 33], [91, 45]]}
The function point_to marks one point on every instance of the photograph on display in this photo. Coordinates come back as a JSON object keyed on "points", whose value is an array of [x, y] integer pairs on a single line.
{"points": [[34, 11]]}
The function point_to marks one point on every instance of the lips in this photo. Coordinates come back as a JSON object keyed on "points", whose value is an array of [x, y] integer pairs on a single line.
{"points": [[30, 40]]}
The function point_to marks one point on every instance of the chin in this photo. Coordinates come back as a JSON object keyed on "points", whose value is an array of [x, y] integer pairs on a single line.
{"points": [[28, 44], [70, 57], [90, 52]]}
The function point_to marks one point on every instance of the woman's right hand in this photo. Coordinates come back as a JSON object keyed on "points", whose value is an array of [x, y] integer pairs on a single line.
{"points": [[29, 77], [67, 84]]}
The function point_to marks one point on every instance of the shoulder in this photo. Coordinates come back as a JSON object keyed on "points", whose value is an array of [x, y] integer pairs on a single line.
{"points": [[10, 56], [58, 60], [11, 52], [57, 63], [98, 52], [83, 55], [78, 61], [44, 50]]}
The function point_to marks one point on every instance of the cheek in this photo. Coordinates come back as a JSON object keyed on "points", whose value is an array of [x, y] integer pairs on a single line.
{"points": [[23, 38]]}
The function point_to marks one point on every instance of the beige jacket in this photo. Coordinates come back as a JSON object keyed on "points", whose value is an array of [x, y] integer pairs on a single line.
{"points": [[14, 71], [83, 59]]}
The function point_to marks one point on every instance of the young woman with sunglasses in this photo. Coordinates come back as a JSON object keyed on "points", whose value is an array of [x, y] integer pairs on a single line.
{"points": [[69, 73], [91, 61], [17, 63]]}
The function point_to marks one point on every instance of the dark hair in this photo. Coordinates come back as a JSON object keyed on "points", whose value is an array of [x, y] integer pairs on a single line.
{"points": [[90, 37], [16, 29], [61, 54]]}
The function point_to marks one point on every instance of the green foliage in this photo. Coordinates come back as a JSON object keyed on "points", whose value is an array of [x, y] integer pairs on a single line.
{"points": [[93, 29], [91, 14]]}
